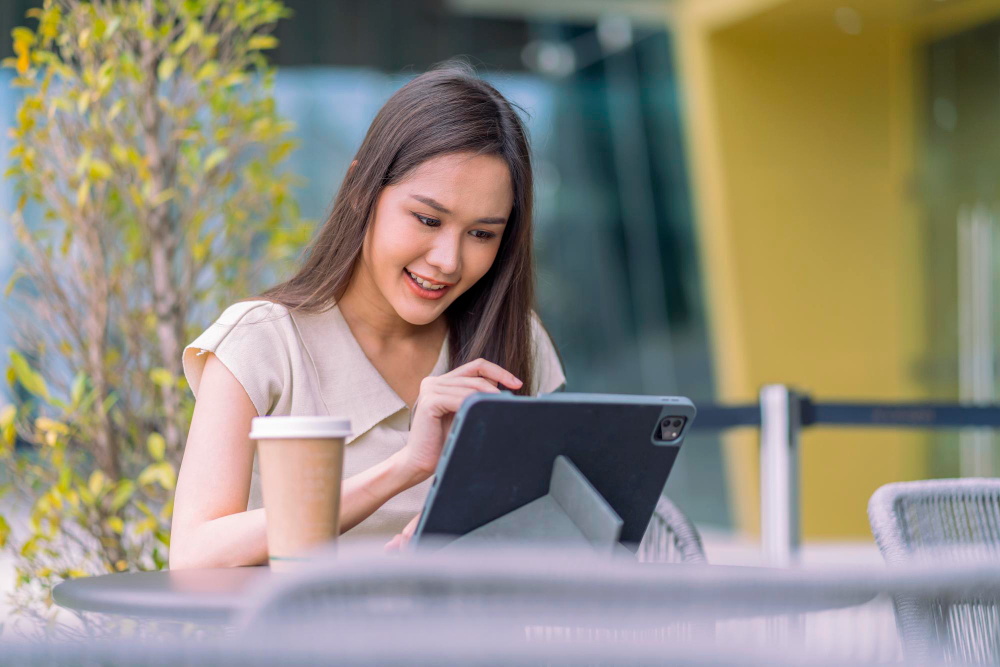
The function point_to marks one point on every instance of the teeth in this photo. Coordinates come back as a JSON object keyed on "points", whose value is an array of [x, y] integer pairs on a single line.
{"points": [[426, 284]]}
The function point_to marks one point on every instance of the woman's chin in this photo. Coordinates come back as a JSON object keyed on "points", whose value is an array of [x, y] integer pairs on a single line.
{"points": [[419, 315]]}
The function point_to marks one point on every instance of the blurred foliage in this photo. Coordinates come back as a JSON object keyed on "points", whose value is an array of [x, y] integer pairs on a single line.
{"points": [[145, 158]]}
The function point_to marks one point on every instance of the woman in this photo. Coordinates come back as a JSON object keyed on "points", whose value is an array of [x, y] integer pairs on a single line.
{"points": [[424, 265]]}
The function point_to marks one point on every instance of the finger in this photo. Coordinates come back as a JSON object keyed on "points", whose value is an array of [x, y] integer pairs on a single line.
{"points": [[411, 527], [474, 383], [488, 370], [446, 401], [394, 544]]}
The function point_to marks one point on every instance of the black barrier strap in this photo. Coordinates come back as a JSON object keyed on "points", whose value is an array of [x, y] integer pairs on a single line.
{"points": [[916, 415], [919, 415], [726, 416]]}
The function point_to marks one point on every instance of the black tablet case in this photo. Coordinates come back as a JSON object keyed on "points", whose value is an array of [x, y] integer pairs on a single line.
{"points": [[501, 449]]}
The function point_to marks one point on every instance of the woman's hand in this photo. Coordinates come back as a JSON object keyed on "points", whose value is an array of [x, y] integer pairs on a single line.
{"points": [[436, 405], [402, 540]]}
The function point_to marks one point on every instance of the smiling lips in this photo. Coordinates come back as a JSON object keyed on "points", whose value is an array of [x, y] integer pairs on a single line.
{"points": [[424, 288]]}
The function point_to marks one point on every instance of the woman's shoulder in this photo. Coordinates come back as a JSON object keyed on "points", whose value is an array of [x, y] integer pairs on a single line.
{"points": [[253, 311], [548, 367], [246, 326], [249, 338]]}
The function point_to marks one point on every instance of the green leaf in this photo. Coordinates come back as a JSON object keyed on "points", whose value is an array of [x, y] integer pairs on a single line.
{"points": [[161, 472], [112, 27], [116, 524], [96, 483], [233, 79], [7, 415], [147, 525], [29, 547], [144, 508], [108, 403], [46, 424], [23, 35], [119, 153], [32, 381], [86, 496], [166, 68], [14, 277], [209, 42], [76, 391], [199, 250], [262, 42], [4, 531], [163, 197], [83, 102], [157, 445], [161, 377], [83, 194], [214, 158], [100, 170], [123, 492], [208, 70], [65, 479], [166, 512], [192, 34], [7, 437]]}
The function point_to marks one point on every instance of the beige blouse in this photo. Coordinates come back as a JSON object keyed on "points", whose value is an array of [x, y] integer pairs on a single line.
{"points": [[302, 364]]}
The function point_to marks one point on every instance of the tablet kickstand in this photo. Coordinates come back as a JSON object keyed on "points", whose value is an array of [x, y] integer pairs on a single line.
{"points": [[571, 513]]}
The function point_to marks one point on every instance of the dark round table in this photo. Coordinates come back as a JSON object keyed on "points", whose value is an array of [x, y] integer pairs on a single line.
{"points": [[207, 596], [217, 596]]}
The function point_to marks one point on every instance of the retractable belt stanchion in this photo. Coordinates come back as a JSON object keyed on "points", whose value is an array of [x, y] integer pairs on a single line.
{"points": [[782, 414], [780, 423]]}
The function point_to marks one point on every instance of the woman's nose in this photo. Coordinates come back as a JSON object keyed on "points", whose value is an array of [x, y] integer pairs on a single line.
{"points": [[446, 256]]}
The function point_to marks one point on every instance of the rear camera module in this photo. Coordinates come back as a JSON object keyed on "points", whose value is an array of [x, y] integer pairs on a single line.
{"points": [[670, 428]]}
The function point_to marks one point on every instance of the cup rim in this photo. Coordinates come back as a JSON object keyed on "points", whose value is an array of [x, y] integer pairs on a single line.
{"points": [[295, 426]]}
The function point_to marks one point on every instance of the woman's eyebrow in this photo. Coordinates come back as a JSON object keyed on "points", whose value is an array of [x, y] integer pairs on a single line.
{"points": [[441, 207]]}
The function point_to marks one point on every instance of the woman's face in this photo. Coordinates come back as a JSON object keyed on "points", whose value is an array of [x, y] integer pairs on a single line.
{"points": [[437, 232]]}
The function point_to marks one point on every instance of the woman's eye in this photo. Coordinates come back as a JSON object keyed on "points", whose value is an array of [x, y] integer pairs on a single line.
{"points": [[483, 236], [430, 222]]}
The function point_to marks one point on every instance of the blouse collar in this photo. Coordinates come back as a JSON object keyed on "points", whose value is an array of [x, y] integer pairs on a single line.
{"points": [[352, 387]]}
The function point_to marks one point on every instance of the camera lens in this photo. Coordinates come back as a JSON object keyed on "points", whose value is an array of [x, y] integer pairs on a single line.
{"points": [[671, 428]]}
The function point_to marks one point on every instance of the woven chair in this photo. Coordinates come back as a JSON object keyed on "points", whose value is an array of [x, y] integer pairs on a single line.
{"points": [[567, 603], [670, 537], [948, 521]]}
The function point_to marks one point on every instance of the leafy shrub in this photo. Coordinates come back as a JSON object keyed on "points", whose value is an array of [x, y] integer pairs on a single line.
{"points": [[145, 160]]}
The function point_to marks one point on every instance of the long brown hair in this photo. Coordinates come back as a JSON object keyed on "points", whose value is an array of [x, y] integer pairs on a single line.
{"points": [[446, 110]]}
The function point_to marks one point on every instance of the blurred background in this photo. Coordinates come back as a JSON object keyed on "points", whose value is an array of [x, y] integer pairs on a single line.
{"points": [[729, 193]]}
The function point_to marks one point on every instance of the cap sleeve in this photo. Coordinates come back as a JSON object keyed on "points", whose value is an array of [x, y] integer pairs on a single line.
{"points": [[549, 375], [248, 339]]}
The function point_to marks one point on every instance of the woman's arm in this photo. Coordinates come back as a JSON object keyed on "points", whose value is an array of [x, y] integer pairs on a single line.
{"points": [[211, 526]]}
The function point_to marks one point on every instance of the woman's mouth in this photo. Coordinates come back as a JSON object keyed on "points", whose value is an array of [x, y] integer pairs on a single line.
{"points": [[431, 291]]}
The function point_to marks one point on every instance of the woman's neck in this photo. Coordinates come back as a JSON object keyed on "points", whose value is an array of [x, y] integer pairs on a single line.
{"points": [[371, 317]]}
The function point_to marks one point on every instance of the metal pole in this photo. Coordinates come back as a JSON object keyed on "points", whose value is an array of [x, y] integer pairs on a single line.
{"points": [[780, 422], [977, 357]]}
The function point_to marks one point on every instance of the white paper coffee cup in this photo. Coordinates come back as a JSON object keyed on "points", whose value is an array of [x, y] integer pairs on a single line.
{"points": [[301, 462]]}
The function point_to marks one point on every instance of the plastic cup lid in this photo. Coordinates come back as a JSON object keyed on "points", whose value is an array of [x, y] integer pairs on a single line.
{"points": [[299, 427]]}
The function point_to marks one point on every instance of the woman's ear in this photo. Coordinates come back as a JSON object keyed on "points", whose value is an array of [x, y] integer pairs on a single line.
{"points": [[351, 168]]}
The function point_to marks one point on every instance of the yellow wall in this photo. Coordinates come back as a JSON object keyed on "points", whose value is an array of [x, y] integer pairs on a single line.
{"points": [[802, 145]]}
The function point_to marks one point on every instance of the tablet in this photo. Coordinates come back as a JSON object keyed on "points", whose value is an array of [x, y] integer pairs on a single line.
{"points": [[501, 449]]}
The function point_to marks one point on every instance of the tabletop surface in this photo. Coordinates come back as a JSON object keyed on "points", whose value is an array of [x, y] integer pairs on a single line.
{"points": [[197, 595], [219, 595]]}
